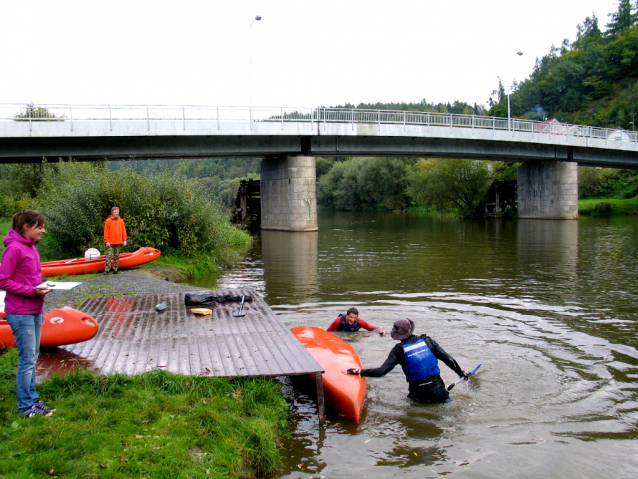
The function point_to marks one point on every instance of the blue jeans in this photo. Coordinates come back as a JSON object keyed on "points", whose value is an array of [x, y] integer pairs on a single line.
{"points": [[26, 331]]}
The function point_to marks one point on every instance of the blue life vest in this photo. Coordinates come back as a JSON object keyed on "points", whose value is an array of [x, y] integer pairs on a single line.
{"points": [[420, 361], [344, 327]]}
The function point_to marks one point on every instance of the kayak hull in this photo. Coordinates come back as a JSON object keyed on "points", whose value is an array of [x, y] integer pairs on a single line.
{"points": [[343, 393], [59, 327], [83, 266]]}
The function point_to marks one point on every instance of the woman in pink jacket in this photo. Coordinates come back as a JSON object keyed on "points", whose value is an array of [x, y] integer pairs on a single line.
{"points": [[20, 274]]}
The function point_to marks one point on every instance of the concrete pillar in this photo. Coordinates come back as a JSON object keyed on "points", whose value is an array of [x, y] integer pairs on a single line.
{"points": [[548, 190], [289, 193]]}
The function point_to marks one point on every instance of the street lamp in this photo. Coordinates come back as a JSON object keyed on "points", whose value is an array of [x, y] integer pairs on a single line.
{"points": [[509, 87], [250, 63]]}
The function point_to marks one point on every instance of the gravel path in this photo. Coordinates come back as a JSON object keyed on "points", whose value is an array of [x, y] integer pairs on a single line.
{"points": [[133, 281]]}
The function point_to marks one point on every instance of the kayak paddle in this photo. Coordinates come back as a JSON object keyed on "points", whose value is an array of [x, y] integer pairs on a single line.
{"points": [[465, 378]]}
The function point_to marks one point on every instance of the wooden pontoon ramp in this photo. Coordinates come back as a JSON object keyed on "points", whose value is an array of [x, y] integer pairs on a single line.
{"points": [[135, 338]]}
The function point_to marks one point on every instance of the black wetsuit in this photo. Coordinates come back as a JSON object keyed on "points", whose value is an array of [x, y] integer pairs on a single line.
{"points": [[430, 389]]}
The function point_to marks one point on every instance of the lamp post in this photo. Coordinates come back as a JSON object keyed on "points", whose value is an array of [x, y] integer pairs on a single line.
{"points": [[509, 87], [250, 65]]}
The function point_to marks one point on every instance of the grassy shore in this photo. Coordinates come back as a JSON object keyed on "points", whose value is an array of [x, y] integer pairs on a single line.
{"points": [[153, 425], [608, 206]]}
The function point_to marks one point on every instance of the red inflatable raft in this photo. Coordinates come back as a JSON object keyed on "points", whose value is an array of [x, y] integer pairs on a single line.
{"points": [[59, 327], [83, 266], [344, 394]]}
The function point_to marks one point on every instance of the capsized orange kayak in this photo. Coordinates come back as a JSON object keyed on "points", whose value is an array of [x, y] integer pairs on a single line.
{"points": [[344, 394], [83, 266], [59, 327]]}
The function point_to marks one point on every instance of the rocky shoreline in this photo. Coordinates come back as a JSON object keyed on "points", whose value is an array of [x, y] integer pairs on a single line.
{"points": [[132, 281]]}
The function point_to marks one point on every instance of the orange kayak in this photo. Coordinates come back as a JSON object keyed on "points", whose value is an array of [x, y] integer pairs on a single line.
{"points": [[83, 266], [59, 327], [344, 394]]}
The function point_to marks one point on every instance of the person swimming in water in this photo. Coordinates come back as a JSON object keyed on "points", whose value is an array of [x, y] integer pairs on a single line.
{"points": [[350, 322]]}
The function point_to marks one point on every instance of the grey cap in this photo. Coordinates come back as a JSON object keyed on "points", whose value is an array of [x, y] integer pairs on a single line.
{"points": [[402, 329]]}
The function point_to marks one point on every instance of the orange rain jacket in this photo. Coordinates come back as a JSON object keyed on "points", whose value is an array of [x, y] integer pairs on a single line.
{"points": [[114, 231]]}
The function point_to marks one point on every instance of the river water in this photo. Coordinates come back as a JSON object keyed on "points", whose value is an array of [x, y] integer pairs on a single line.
{"points": [[549, 308]]}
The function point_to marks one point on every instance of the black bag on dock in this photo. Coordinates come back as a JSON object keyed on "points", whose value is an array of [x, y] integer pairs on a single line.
{"points": [[199, 299], [204, 299]]}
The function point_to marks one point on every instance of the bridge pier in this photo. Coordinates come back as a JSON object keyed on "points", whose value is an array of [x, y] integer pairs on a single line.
{"points": [[548, 190], [289, 193]]}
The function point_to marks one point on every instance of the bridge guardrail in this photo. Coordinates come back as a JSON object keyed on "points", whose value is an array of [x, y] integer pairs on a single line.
{"points": [[189, 113]]}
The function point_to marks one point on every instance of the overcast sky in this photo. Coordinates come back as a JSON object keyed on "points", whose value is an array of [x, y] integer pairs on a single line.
{"points": [[302, 53]]}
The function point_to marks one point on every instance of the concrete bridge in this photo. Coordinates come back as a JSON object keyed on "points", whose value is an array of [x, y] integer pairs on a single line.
{"points": [[289, 139]]}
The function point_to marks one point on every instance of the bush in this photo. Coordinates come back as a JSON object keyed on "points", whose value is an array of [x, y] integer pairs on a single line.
{"points": [[452, 184], [11, 203], [602, 207], [161, 210], [361, 183], [607, 183]]}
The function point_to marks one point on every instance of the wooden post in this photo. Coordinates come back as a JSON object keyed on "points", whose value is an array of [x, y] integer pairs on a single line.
{"points": [[321, 406], [242, 201]]}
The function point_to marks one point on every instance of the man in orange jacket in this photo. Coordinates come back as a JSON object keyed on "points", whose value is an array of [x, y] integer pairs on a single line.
{"points": [[114, 237]]}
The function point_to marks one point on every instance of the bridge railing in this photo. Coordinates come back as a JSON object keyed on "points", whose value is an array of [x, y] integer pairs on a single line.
{"points": [[190, 113]]}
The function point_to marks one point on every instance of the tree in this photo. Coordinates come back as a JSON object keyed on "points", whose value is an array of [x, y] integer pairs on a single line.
{"points": [[339, 189], [360, 183], [587, 32], [622, 19], [451, 184], [36, 113], [386, 182]]}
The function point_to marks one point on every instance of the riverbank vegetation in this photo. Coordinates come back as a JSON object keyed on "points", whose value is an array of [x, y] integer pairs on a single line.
{"points": [[605, 191], [153, 425], [444, 185], [161, 209]]}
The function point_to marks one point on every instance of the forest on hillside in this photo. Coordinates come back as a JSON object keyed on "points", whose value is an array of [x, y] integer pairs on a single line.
{"points": [[592, 80]]}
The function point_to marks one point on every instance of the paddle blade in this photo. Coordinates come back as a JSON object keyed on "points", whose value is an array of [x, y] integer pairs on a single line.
{"points": [[451, 386], [473, 370]]}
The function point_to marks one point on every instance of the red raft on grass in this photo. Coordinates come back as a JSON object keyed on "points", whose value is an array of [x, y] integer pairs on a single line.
{"points": [[344, 394], [83, 266], [59, 327]]}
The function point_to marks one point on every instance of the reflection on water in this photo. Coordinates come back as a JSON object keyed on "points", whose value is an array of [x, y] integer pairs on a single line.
{"points": [[290, 264], [548, 307]]}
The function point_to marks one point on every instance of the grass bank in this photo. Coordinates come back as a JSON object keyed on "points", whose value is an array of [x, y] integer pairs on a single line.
{"points": [[608, 206], [153, 425]]}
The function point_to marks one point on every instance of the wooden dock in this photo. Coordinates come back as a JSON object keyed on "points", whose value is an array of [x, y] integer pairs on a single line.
{"points": [[134, 338]]}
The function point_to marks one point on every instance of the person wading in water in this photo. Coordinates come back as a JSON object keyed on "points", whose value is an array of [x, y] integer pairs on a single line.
{"points": [[418, 356]]}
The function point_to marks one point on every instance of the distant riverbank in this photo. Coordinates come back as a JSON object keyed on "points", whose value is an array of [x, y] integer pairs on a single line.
{"points": [[608, 206]]}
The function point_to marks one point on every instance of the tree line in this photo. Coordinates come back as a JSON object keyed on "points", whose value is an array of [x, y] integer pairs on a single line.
{"points": [[591, 81]]}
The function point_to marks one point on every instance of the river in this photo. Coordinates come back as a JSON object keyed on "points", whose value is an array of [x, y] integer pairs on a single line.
{"points": [[549, 308]]}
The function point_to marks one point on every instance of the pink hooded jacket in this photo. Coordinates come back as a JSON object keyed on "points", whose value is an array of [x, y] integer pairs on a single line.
{"points": [[20, 273]]}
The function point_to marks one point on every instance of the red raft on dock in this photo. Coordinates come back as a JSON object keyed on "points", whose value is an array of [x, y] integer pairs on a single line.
{"points": [[59, 327], [344, 394], [83, 266]]}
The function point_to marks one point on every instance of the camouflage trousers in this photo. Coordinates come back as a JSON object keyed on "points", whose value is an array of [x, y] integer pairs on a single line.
{"points": [[112, 252]]}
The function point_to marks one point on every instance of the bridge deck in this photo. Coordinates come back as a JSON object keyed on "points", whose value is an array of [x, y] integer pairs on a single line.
{"points": [[134, 338]]}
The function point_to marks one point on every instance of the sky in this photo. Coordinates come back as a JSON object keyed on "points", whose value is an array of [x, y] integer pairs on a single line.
{"points": [[301, 53]]}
